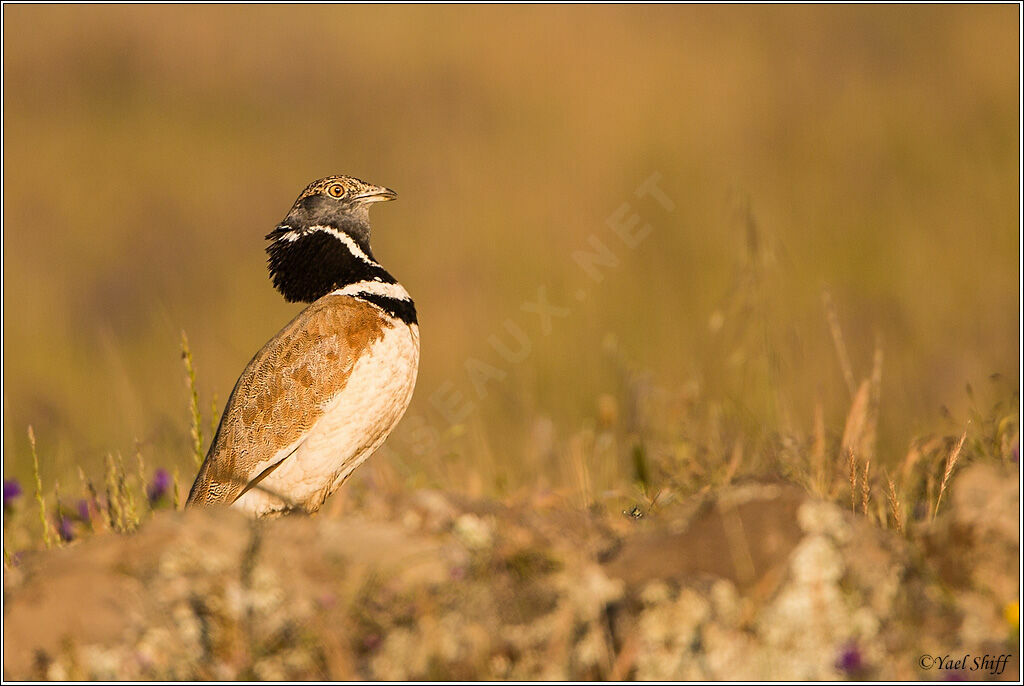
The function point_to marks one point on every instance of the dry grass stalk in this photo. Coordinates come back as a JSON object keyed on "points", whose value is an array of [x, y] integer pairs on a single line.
{"points": [[857, 419], [853, 481], [577, 455], [174, 493], [126, 494], [840, 343], [115, 519], [734, 462], [197, 420], [121, 512], [894, 505], [47, 539], [94, 498], [141, 465], [950, 463], [865, 487]]}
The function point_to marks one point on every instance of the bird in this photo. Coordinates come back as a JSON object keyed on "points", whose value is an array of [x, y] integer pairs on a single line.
{"points": [[324, 393]]}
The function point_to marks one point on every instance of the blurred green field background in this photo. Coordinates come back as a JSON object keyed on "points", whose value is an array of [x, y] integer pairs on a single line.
{"points": [[870, 152]]}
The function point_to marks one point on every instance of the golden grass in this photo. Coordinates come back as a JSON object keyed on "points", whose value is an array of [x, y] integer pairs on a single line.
{"points": [[948, 471], [823, 165], [196, 429], [176, 502], [40, 500], [865, 488], [894, 506]]}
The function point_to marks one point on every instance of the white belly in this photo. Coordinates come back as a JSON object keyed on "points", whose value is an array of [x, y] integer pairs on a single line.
{"points": [[353, 425]]}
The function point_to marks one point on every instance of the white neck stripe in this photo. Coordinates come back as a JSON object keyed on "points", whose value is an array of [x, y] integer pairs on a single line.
{"points": [[352, 246], [388, 290]]}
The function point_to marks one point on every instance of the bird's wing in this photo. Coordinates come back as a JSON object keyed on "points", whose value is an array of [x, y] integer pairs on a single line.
{"points": [[283, 392]]}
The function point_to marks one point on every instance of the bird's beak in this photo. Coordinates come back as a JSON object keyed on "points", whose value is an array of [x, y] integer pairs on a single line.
{"points": [[376, 194]]}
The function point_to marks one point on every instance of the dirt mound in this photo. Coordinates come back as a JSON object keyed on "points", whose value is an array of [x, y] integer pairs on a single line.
{"points": [[757, 581]]}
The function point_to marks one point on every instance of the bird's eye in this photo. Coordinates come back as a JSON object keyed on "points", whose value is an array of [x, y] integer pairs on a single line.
{"points": [[336, 191]]}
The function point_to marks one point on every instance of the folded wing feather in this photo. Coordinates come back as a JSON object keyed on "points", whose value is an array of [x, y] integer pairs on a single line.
{"points": [[282, 393]]}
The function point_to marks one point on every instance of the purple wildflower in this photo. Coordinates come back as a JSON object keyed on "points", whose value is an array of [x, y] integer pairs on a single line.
{"points": [[159, 486], [850, 659], [84, 513], [12, 489], [67, 533]]}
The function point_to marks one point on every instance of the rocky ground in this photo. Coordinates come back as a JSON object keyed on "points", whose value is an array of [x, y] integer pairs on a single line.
{"points": [[754, 581]]}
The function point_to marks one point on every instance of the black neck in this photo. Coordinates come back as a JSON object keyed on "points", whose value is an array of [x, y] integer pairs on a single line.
{"points": [[316, 262], [306, 265], [309, 261]]}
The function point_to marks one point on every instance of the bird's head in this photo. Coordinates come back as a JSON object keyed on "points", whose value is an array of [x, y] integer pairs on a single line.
{"points": [[324, 241], [337, 201]]}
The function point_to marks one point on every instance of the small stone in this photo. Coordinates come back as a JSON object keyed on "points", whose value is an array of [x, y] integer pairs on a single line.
{"points": [[816, 560], [473, 531], [818, 517]]}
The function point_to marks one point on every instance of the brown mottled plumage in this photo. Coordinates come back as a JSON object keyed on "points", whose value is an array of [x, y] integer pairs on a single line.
{"points": [[282, 391]]}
